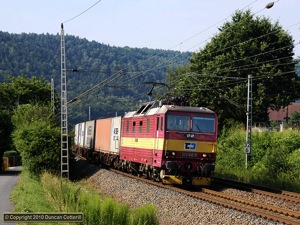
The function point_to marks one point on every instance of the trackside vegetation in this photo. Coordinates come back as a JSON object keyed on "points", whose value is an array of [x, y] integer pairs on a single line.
{"points": [[51, 194], [275, 158]]}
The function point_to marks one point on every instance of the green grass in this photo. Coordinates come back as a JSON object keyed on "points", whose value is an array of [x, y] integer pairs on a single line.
{"points": [[28, 196], [51, 194]]}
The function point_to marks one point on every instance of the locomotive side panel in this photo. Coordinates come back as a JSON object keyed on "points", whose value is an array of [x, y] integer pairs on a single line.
{"points": [[103, 135], [138, 142]]}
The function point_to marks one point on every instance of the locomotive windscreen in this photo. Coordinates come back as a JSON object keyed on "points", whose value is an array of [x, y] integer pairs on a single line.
{"points": [[187, 123], [180, 123], [203, 124]]}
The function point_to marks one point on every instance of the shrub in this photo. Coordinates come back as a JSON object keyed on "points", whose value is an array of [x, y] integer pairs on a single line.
{"points": [[37, 138], [275, 158]]}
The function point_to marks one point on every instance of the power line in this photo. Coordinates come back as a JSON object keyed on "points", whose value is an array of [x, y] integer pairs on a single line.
{"points": [[218, 65], [183, 42], [161, 64], [195, 35], [82, 12]]}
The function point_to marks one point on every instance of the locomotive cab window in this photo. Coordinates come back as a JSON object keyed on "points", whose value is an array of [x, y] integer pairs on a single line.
{"points": [[179, 123], [203, 124]]}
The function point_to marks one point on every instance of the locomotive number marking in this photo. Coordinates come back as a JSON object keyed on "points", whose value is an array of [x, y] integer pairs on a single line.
{"points": [[189, 146]]}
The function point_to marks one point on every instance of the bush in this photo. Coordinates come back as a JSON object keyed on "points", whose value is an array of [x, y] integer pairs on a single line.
{"points": [[275, 158], [37, 138], [11, 153]]}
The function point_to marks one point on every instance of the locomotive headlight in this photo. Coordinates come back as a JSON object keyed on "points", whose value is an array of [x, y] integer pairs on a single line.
{"points": [[173, 153], [190, 136], [204, 155]]}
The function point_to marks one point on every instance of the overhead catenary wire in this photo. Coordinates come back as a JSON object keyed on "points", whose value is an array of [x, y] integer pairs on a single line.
{"points": [[98, 86], [182, 41], [226, 83], [81, 12], [211, 26], [169, 60], [234, 61], [252, 39]]}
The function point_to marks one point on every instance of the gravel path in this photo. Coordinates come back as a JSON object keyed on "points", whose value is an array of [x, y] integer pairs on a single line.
{"points": [[172, 207]]}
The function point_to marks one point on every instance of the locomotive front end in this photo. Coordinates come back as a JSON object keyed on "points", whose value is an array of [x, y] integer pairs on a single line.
{"points": [[190, 146]]}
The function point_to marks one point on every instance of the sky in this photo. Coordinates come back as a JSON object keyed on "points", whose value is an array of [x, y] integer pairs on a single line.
{"points": [[183, 25]]}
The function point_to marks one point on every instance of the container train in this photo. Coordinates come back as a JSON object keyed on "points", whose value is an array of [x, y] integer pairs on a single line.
{"points": [[167, 143]]}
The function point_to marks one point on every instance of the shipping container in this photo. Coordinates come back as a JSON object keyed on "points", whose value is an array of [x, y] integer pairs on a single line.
{"points": [[103, 135], [115, 135], [81, 129], [76, 136], [89, 136]]}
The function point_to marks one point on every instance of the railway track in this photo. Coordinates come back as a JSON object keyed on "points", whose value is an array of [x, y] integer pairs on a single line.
{"points": [[257, 208], [266, 191], [263, 210]]}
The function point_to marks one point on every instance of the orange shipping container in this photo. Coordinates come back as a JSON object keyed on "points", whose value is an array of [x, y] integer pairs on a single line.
{"points": [[103, 135]]}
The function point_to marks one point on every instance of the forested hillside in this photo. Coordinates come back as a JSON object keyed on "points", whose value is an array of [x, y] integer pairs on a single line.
{"points": [[89, 63]]}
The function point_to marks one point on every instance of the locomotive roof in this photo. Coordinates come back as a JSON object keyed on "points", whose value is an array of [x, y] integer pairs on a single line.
{"points": [[153, 108]]}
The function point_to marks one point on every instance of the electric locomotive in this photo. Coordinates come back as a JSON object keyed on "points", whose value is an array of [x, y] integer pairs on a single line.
{"points": [[168, 143], [174, 144]]}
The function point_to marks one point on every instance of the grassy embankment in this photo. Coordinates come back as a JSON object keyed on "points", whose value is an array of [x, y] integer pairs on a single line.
{"points": [[275, 158], [50, 194]]}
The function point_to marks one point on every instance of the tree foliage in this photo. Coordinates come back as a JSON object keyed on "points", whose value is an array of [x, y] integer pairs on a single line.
{"points": [[15, 92], [274, 160], [37, 137], [23, 90], [295, 118], [217, 75]]}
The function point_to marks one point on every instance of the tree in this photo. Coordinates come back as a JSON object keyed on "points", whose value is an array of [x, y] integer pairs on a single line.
{"points": [[295, 118], [15, 92], [23, 90], [37, 137], [217, 74]]}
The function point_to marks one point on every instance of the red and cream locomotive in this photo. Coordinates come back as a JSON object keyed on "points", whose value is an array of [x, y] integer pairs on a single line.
{"points": [[168, 143]]}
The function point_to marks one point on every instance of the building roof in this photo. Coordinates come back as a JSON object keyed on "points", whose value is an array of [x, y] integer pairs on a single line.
{"points": [[282, 113]]}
